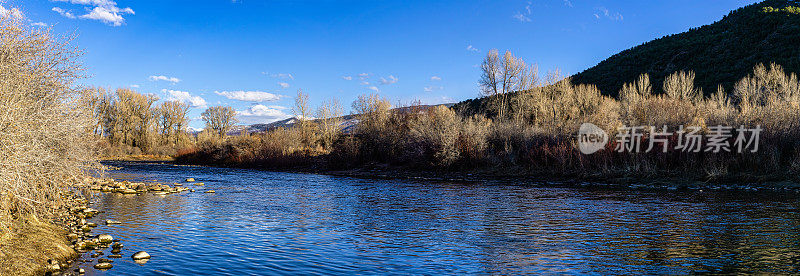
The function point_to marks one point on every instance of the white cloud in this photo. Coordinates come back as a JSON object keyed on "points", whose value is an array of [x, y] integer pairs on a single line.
{"points": [[347, 77], [165, 78], [134, 85], [105, 11], [283, 84], [472, 49], [432, 88], [262, 114], [364, 83], [568, 3], [524, 17], [281, 76], [185, 97], [363, 76], [436, 78], [249, 96], [391, 80], [111, 16], [39, 24], [374, 88], [616, 16], [64, 13], [13, 12]]}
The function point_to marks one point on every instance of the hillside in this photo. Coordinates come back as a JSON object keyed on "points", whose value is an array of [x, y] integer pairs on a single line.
{"points": [[719, 53]]}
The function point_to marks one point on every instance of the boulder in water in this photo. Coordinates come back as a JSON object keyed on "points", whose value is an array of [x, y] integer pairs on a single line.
{"points": [[105, 238], [141, 255]]}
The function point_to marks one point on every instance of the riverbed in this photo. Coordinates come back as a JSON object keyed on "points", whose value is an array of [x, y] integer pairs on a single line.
{"points": [[278, 223]]}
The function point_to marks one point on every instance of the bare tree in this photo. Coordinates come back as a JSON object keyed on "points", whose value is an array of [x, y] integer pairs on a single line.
{"points": [[173, 120], [219, 119], [499, 77], [329, 115]]}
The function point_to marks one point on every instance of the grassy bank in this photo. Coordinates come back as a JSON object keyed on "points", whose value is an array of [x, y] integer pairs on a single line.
{"points": [[27, 248]]}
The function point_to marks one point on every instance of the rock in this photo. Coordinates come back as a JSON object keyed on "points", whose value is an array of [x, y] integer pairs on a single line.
{"points": [[108, 221], [80, 271], [141, 255], [116, 245], [115, 256], [177, 184], [190, 180], [52, 265], [103, 266], [200, 184], [91, 224], [86, 228], [72, 237], [95, 255], [128, 191], [161, 193], [105, 238], [104, 261], [210, 192], [116, 251]]}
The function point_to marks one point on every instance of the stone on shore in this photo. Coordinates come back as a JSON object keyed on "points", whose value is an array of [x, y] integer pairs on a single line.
{"points": [[190, 180], [210, 192], [108, 221]]}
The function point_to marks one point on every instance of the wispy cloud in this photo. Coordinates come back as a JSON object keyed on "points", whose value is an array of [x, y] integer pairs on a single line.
{"points": [[164, 78], [436, 78], [134, 86], [185, 97], [283, 84], [347, 78], [250, 96], [13, 12], [390, 80], [472, 49], [568, 3], [285, 76], [604, 12], [105, 11], [432, 88], [374, 88], [524, 16], [363, 76], [39, 24], [64, 13]]}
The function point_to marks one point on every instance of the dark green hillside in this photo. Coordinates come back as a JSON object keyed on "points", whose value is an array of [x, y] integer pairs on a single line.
{"points": [[719, 53]]}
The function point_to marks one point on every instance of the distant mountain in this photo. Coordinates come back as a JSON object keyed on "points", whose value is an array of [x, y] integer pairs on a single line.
{"points": [[719, 53], [347, 121]]}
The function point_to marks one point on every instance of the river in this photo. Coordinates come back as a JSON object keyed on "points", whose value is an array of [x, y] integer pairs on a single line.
{"points": [[278, 223]]}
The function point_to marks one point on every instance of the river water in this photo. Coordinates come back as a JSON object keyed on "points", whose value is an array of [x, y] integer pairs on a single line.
{"points": [[274, 223]]}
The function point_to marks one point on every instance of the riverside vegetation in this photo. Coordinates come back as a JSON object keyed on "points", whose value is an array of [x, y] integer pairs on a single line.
{"points": [[52, 132]]}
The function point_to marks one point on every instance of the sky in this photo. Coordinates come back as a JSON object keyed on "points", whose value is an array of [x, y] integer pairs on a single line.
{"points": [[255, 55]]}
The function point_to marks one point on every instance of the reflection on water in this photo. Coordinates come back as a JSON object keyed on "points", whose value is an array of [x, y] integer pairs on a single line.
{"points": [[282, 223]]}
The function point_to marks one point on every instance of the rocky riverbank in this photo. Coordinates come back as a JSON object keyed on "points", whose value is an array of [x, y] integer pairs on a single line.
{"points": [[73, 241]]}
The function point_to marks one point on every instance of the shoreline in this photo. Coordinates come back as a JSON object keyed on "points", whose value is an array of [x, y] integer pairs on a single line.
{"points": [[743, 182]]}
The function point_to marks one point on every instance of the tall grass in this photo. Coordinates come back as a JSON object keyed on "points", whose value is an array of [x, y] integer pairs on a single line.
{"points": [[45, 132]]}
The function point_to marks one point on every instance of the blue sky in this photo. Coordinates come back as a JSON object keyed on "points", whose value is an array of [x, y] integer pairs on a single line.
{"points": [[254, 55]]}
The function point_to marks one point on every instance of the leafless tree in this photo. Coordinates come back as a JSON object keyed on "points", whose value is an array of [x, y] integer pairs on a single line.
{"points": [[219, 119]]}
